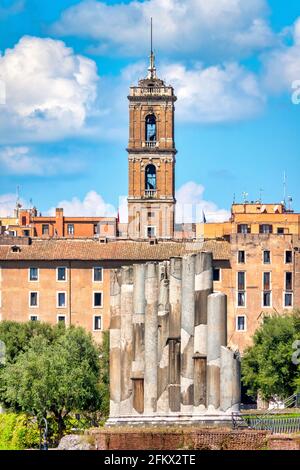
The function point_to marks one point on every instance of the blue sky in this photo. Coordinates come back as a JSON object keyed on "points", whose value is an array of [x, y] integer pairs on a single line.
{"points": [[66, 67]]}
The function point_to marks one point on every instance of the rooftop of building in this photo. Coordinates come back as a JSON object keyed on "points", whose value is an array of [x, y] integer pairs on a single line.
{"points": [[94, 249]]}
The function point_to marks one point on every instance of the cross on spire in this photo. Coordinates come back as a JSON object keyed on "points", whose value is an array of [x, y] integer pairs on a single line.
{"points": [[151, 69]]}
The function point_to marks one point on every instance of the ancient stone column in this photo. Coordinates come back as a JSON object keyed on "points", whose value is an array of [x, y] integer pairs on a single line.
{"points": [[216, 337], [138, 322], [126, 339], [151, 326], [203, 288], [187, 333], [229, 380], [174, 334], [115, 342], [163, 335], [236, 392]]}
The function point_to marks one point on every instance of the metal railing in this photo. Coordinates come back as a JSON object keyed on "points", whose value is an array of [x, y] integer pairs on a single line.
{"points": [[150, 143], [270, 420], [150, 193]]}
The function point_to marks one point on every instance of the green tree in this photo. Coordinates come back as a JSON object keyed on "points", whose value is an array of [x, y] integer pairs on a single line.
{"points": [[267, 366], [17, 336], [54, 376], [104, 375]]}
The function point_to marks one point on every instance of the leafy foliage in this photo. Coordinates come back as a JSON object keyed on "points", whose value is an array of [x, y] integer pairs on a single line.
{"points": [[51, 371], [18, 431], [267, 366]]}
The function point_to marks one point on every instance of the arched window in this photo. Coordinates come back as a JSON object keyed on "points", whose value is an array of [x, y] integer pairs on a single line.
{"points": [[150, 180], [150, 128]]}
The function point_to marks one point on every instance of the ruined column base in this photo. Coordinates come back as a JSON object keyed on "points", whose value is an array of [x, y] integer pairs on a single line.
{"points": [[205, 417]]}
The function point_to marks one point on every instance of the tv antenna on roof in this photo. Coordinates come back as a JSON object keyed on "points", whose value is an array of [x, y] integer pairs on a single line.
{"points": [[245, 196], [260, 195]]}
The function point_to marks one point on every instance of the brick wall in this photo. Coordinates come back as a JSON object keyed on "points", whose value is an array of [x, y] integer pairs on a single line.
{"points": [[159, 439]]}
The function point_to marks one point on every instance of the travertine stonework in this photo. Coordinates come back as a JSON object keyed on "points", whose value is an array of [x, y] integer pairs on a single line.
{"points": [[169, 359]]}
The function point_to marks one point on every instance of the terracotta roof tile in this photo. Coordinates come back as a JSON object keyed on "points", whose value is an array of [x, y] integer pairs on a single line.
{"points": [[92, 249]]}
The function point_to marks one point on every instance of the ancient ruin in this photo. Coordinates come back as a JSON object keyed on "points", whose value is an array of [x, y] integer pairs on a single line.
{"points": [[169, 360]]}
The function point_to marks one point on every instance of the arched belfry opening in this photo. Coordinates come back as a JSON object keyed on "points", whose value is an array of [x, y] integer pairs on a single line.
{"points": [[150, 128], [150, 177]]}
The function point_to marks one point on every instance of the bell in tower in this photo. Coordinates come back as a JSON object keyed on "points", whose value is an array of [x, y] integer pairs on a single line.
{"points": [[151, 157]]}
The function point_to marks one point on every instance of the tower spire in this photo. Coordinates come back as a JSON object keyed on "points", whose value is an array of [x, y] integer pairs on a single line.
{"points": [[151, 69]]}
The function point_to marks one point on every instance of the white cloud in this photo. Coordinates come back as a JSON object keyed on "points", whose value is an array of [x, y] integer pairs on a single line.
{"points": [[92, 205], [215, 27], [21, 161], [8, 204], [191, 205], [282, 65], [49, 90], [214, 94]]}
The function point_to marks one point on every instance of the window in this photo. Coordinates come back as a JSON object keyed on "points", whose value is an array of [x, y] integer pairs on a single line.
{"points": [[267, 295], [267, 281], [97, 274], [266, 257], [241, 323], [151, 215], [267, 299], [288, 257], [241, 280], [97, 300], [33, 274], [23, 219], [97, 323], [280, 231], [26, 233], [34, 318], [150, 179], [61, 274], [217, 274], [151, 231], [241, 299], [70, 229], [266, 228], [244, 228], [241, 257], [33, 299], [288, 281], [95, 229], [150, 128], [288, 299], [241, 295], [45, 229], [61, 319], [61, 300]]}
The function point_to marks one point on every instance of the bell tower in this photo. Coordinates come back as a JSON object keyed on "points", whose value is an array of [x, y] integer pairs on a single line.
{"points": [[151, 157]]}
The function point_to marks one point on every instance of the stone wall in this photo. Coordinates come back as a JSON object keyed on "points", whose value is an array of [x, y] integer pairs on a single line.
{"points": [[180, 439]]}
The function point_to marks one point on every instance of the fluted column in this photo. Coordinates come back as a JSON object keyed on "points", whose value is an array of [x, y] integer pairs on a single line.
{"points": [[216, 337], [138, 321], [174, 334], [187, 333], [151, 326], [230, 380], [163, 335], [203, 288], [126, 339], [115, 342]]}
